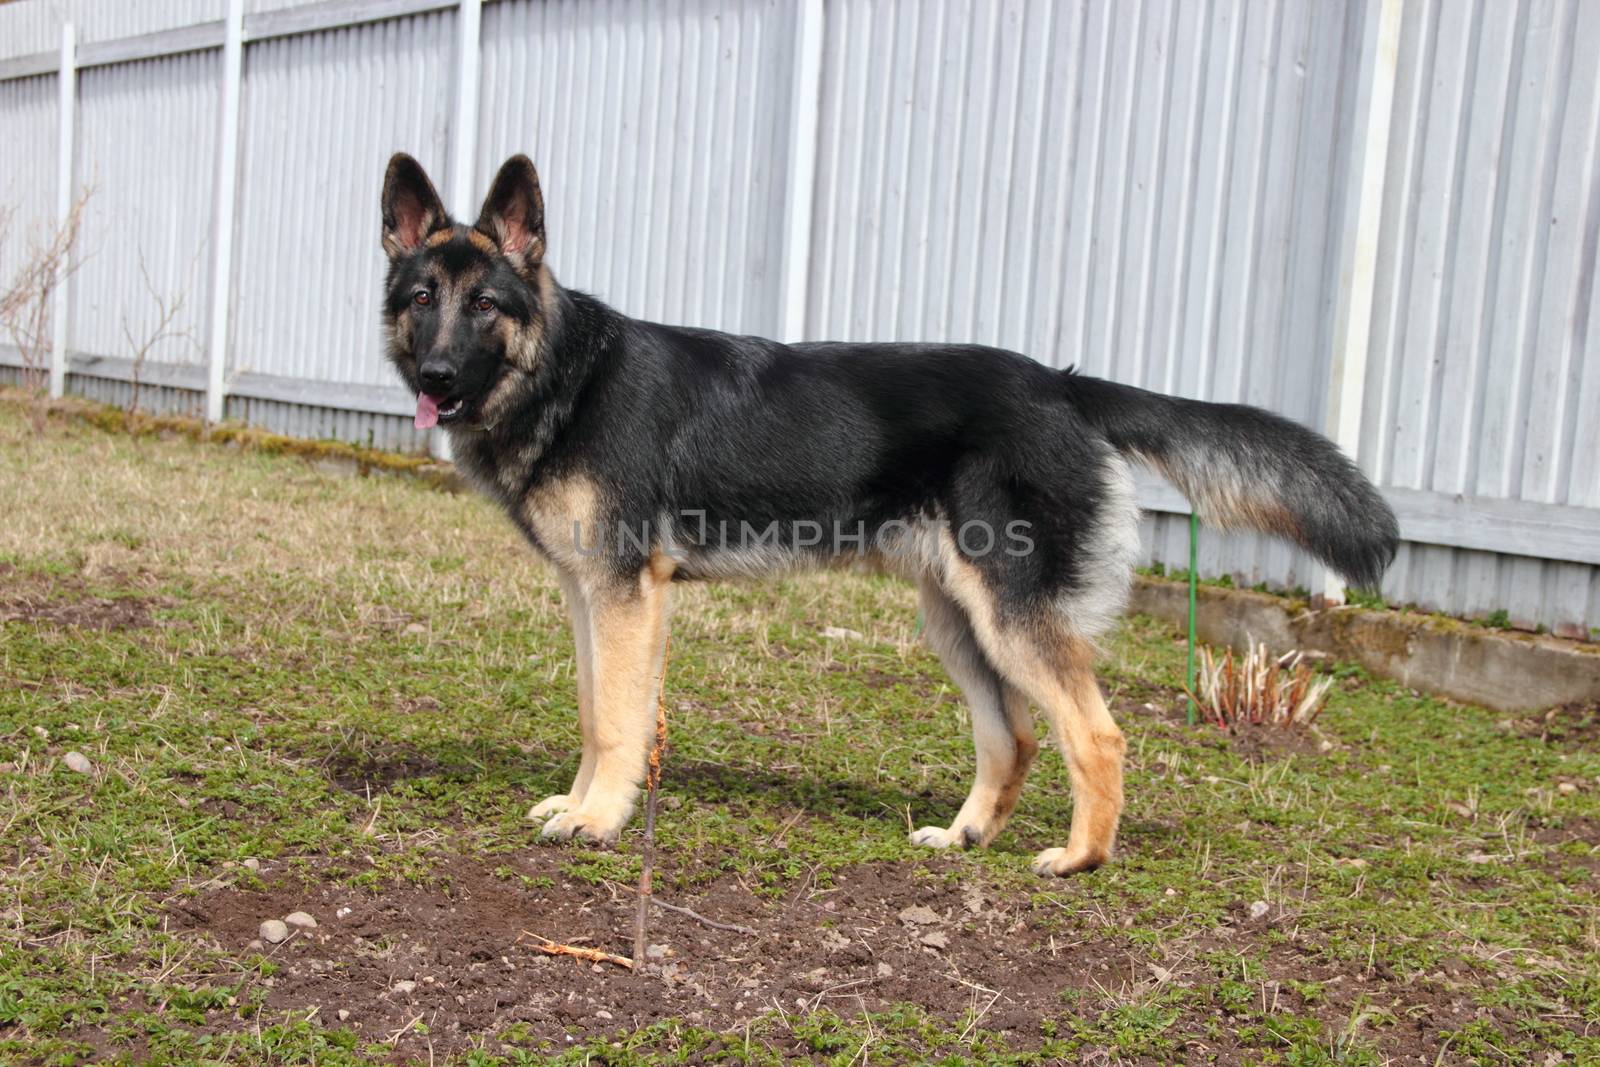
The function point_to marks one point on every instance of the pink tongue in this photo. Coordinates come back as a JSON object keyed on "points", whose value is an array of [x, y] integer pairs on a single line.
{"points": [[427, 411]]}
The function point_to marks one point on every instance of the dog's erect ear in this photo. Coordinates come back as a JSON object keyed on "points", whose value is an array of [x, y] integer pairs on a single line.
{"points": [[513, 212], [411, 206]]}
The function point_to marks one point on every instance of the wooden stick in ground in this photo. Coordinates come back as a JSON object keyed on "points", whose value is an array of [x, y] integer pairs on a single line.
{"points": [[651, 782]]}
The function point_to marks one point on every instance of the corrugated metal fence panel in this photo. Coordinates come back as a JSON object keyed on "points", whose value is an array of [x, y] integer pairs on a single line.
{"points": [[659, 130], [35, 25], [1149, 191], [28, 179], [149, 399], [257, 7], [321, 114], [1485, 373], [28, 27], [148, 221], [388, 432]]}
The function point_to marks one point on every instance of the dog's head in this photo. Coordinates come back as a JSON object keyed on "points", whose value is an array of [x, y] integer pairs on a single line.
{"points": [[466, 307]]}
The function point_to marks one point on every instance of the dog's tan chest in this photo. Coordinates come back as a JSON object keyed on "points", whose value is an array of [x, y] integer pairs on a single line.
{"points": [[564, 517]]}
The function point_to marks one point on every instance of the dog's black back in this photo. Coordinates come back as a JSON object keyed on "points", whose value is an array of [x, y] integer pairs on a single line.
{"points": [[633, 454]]}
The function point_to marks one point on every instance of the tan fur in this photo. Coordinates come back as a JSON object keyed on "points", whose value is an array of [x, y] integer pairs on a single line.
{"points": [[562, 512], [1224, 501], [500, 397], [549, 305], [1000, 661], [620, 631], [441, 238], [660, 569], [627, 631], [1002, 727], [1233, 507], [397, 244], [400, 335], [1094, 748], [482, 242], [523, 346], [578, 612], [521, 343], [1054, 669]]}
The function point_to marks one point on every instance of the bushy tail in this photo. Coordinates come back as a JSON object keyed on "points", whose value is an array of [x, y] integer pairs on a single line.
{"points": [[1244, 467]]}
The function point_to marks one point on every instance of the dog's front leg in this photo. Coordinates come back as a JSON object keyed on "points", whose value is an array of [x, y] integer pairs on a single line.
{"points": [[578, 611], [627, 639]]}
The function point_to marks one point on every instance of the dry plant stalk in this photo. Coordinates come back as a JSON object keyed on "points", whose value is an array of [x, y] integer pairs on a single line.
{"points": [[594, 955], [651, 782], [1259, 689], [28, 294], [168, 307]]}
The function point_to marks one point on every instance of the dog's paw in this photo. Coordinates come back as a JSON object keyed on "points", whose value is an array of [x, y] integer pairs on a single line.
{"points": [[1060, 862], [574, 826], [933, 837], [550, 806], [940, 837]]}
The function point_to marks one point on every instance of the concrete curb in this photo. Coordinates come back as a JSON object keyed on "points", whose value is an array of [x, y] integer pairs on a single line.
{"points": [[1500, 670]]}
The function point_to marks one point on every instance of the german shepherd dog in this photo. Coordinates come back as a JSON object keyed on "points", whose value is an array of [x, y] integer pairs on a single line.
{"points": [[633, 454]]}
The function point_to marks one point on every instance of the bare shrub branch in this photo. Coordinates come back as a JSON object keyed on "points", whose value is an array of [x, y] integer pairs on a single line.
{"points": [[25, 301], [168, 307]]}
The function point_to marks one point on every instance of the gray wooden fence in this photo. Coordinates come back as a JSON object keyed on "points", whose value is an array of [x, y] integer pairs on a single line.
{"points": [[1379, 217]]}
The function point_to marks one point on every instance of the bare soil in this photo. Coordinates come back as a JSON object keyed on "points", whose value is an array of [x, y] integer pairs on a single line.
{"points": [[877, 935], [1567, 724], [1256, 742], [64, 600]]}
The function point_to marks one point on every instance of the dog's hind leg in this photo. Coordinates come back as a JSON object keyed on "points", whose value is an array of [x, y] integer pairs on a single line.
{"points": [[1053, 668], [628, 631], [578, 611], [1002, 727], [1056, 672], [1094, 749]]}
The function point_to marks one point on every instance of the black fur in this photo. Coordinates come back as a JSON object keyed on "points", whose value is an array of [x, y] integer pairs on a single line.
{"points": [[671, 420], [1340, 517], [693, 442], [851, 437]]}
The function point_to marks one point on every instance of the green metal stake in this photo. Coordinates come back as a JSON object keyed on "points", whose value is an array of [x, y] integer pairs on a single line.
{"points": [[1194, 581]]}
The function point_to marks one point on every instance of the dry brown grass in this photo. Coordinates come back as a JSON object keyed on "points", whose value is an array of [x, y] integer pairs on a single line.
{"points": [[1258, 688]]}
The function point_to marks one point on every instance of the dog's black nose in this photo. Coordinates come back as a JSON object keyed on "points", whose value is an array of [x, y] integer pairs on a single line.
{"points": [[437, 377]]}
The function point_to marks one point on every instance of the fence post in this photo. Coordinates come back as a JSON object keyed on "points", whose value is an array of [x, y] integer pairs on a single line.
{"points": [[67, 102], [222, 222], [464, 121], [805, 106], [1358, 244], [463, 140]]}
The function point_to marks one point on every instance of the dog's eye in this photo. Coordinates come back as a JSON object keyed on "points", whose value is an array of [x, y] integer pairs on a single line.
{"points": [[422, 298], [483, 303]]}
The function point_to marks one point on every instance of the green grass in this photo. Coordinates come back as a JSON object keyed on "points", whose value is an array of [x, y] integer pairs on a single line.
{"points": [[307, 630]]}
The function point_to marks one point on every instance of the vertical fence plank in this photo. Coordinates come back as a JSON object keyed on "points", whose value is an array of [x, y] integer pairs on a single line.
{"points": [[463, 139], [67, 103], [1358, 253], [805, 108], [464, 121], [222, 221], [1108, 171]]}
